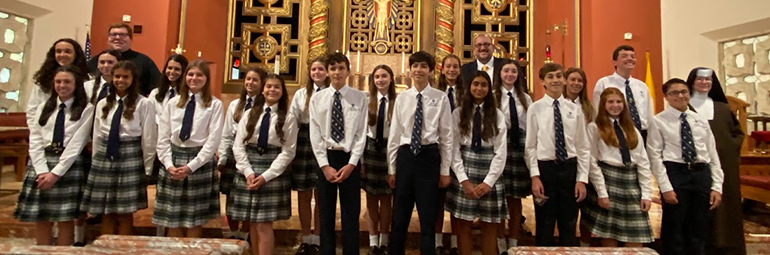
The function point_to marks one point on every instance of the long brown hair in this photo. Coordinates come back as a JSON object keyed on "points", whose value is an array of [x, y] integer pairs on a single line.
{"points": [[78, 105], [519, 86], [184, 89], [242, 102], [44, 76], [98, 74], [256, 111], [165, 83], [443, 83], [373, 92], [606, 130], [132, 91], [585, 104], [489, 120], [309, 86]]}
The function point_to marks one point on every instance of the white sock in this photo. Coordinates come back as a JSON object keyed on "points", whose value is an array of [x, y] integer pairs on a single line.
{"points": [[80, 233], [439, 239], [513, 242], [582, 244], [55, 231], [308, 239], [315, 239], [374, 240], [242, 235], [453, 240], [383, 239], [501, 245], [160, 231]]}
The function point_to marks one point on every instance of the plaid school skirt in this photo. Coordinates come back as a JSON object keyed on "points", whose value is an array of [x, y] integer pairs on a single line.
{"points": [[304, 167], [515, 177], [228, 173], [271, 202], [190, 202], [491, 207], [116, 186], [60, 203], [376, 163], [624, 220]]}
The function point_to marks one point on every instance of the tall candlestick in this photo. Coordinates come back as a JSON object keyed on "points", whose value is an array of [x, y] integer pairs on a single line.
{"points": [[358, 61], [277, 65], [403, 57]]}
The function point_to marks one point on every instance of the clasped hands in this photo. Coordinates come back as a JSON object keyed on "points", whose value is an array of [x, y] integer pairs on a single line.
{"points": [[337, 176]]}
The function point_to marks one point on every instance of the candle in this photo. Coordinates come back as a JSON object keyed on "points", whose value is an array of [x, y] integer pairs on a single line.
{"points": [[403, 58], [358, 62], [277, 64]]}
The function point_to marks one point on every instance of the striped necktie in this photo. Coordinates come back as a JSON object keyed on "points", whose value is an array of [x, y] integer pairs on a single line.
{"points": [[561, 148], [688, 146], [416, 145]]}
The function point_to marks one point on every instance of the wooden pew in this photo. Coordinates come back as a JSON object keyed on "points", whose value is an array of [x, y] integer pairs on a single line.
{"points": [[14, 141], [220, 246], [71, 250]]}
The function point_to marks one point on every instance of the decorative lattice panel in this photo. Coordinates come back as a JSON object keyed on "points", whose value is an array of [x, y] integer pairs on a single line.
{"points": [[746, 69], [383, 26], [13, 42], [503, 20]]}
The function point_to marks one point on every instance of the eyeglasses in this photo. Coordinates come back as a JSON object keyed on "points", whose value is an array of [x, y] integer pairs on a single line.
{"points": [[678, 93], [482, 45], [116, 35]]}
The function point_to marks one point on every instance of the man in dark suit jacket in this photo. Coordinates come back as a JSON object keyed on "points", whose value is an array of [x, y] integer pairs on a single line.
{"points": [[120, 37], [482, 52]]}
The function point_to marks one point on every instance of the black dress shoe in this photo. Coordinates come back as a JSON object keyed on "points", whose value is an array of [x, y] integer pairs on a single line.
{"points": [[374, 250], [79, 244], [454, 251], [383, 250], [441, 250], [302, 250], [94, 219], [314, 249]]}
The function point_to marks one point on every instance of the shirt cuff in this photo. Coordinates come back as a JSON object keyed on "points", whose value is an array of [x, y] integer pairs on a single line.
{"points": [[167, 163], [602, 193], [717, 188], [322, 161], [59, 171], [194, 164], [41, 168], [222, 160], [534, 171], [248, 172], [391, 170], [665, 187], [582, 178], [269, 175]]}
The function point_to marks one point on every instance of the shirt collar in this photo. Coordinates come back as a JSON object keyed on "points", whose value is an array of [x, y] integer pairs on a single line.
{"points": [[620, 78], [550, 99], [273, 107], [342, 90], [505, 91], [197, 96], [316, 87], [67, 103], [674, 112], [490, 64], [380, 96]]}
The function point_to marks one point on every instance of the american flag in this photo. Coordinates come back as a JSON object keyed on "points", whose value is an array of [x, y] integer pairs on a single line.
{"points": [[88, 47]]}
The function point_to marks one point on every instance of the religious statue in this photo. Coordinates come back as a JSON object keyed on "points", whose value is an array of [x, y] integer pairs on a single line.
{"points": [[382, 16]]}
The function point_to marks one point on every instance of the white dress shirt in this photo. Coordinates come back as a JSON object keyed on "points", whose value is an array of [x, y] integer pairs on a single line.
{"points": [[665, 144], [540, 141], [206, 130], [159, 106], [354, 111], [490, 67], [76, 135], [141, 125], [611, 155], [229, 128], [520, 112], [640, 90], [372, 133], [297, 107], [703, 104], [499, 144], [437, 124], [89, 87], [288, 146], [37, 99]]}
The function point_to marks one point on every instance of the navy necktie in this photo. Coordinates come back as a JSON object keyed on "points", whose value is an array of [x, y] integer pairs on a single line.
{"points": [[514, 120], [476, 138], [624, 153], [632, 106], [317, 89], [263, 131], [113, 141], [338, 121], [58, 129], [187, 122], [561, 148], [171, 93], [688, 146], [103, 92], [381, 123], [451, 94], [416, 144], [248, 104]]}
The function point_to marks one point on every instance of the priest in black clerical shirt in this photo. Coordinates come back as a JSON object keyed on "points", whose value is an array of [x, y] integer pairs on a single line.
{"points": [[120, 38]]}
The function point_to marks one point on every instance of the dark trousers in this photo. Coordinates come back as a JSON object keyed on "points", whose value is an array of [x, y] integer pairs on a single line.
{"points": [[685, 225], [350, 206], [558, 180], [416, 182]]}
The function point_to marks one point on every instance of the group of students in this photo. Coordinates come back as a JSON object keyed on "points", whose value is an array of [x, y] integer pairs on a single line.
{"points": [[474, 144]]}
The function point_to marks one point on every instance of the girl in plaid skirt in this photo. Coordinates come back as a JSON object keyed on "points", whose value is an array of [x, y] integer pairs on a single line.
{"points": [[511, 91], [304, 168], [264, 146], [53, 185], [479, 159], [124, 138], [190, 130], [379, 198], [616, 207], [250, 96]]}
